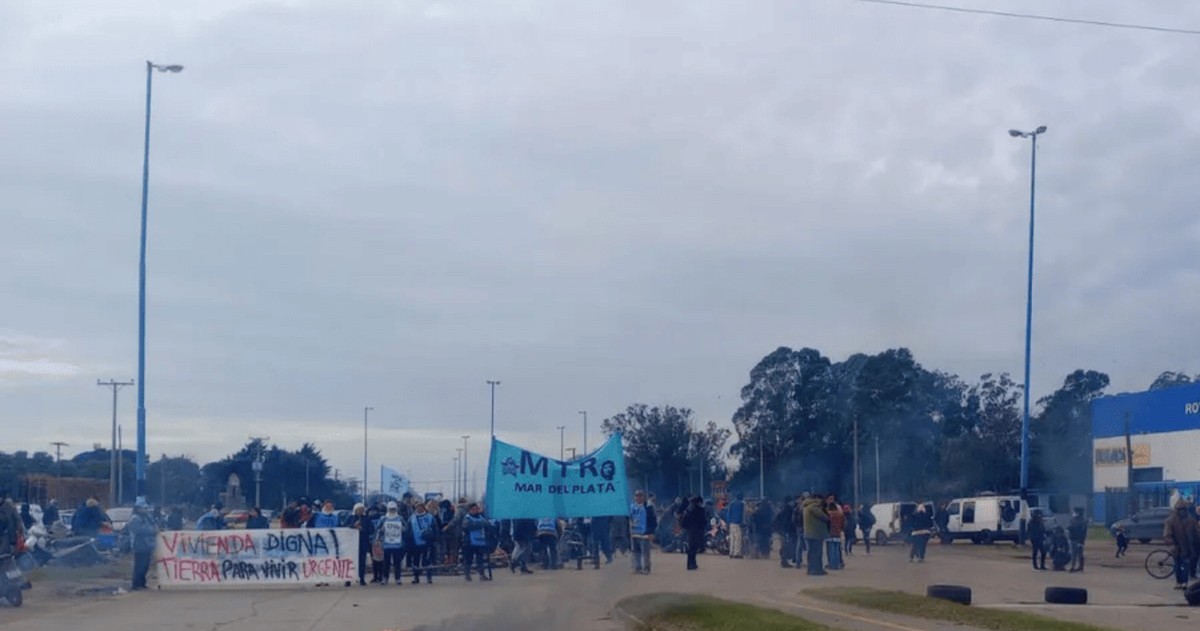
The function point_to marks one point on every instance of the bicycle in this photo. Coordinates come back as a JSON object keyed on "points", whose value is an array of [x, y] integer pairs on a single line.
{"points": [[1160, 564]]}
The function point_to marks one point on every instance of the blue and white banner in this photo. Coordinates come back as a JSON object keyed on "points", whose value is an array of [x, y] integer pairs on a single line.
{"points": [[525, 485], [394, 483]]}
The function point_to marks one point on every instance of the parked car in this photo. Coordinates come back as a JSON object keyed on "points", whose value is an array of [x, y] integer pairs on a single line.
{"points": [[1144, 525], [985, 519]]}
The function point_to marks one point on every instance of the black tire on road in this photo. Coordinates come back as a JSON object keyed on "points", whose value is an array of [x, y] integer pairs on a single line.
{"points": [[987, 537], [1143, 539], [1066, 596], [953, 593]]}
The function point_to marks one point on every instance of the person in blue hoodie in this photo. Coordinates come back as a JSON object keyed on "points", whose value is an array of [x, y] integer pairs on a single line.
{"points": [[390, 532], [642, 525], [475, 532], [326, 518], [735, 516], [423, 526]]}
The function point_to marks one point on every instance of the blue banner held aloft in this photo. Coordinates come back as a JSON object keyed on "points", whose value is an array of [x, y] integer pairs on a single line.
{"points": [[525, 485]]}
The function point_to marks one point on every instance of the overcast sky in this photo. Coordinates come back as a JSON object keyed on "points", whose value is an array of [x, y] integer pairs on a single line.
{"points": [[388, 203]]}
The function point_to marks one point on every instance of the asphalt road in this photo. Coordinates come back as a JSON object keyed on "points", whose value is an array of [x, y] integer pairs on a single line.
{"points": [[1122, 596]]}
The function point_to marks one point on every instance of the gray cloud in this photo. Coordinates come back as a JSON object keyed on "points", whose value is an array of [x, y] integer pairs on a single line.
{"points": [[387, 204]]}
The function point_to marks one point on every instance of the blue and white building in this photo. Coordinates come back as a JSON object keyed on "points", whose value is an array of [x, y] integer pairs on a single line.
{"points": [[1164, 429]]}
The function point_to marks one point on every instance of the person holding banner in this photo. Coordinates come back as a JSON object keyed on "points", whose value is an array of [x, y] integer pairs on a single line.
{"points": [[365, 527], [642, 524], [424, 534], [391, 535]]}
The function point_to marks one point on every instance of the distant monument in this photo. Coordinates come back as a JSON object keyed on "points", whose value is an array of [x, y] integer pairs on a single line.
{"points": [[232, 498]]}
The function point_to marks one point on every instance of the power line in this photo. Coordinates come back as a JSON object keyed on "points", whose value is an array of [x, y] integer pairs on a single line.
{"points": [[1033, 16]]}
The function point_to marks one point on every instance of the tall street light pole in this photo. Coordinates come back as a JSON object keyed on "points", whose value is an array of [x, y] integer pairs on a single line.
{"points": [[561, 441], [584, 413], [493, 384], [140, 466], [1032, 136], [464, 465], [112, 460], [366, 411], [457, 475]]}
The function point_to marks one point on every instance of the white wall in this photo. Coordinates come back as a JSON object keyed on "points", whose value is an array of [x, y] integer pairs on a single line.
{"points": [[1178, 453]]}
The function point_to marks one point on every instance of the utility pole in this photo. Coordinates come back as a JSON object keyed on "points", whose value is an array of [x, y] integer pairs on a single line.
{"points": [[877, 477], [856, 470], [493, 384], [258, 467], [112, 460], [58, 445], [120, 468], [584, 413], [761, 466], [456, 476], [306, 491], [561, 441], [366, 410], [1131, 503], [464, 465]]}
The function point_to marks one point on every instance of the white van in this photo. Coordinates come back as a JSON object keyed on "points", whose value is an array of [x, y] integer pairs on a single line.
{"points": [[985, 519], [890, 520]]}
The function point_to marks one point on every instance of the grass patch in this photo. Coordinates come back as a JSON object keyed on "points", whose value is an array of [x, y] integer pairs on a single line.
{"points": [[935, 609], [679, 612]]}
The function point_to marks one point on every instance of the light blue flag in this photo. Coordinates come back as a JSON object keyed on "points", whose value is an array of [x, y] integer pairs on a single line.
{"points": [[394, 483], [525, 485]]}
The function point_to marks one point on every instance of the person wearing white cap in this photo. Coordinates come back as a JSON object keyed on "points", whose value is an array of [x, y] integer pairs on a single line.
{"points": [[144, 533], [391, 534]]}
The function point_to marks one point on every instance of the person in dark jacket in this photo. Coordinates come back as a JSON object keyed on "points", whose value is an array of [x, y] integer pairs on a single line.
{"points": [[175, 519], [922, 529], [257, 521], [866, 524], [783, 527], [366, 529], [602, 536], [760, 523], [1037, 540], [851, 530], [27, 519], [1180, 532], [1077, 533], [50, 515], [144, 532], [524, 533], [694, 524]]}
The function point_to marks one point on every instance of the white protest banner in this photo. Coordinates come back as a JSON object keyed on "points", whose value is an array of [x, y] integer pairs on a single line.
{"points": [[256, 558]]}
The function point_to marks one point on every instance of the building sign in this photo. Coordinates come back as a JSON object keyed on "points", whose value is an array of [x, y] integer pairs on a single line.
{"points": [[1115, 456], [1191, 408], [256, 558]]}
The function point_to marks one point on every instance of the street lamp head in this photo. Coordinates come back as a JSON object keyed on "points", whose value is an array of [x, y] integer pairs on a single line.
{"points": [[169, 68], [1015, 134], [1040, 130]]}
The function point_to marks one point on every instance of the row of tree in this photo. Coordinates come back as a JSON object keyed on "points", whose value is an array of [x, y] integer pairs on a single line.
{"points": [[935, 434], [179, 480]]}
